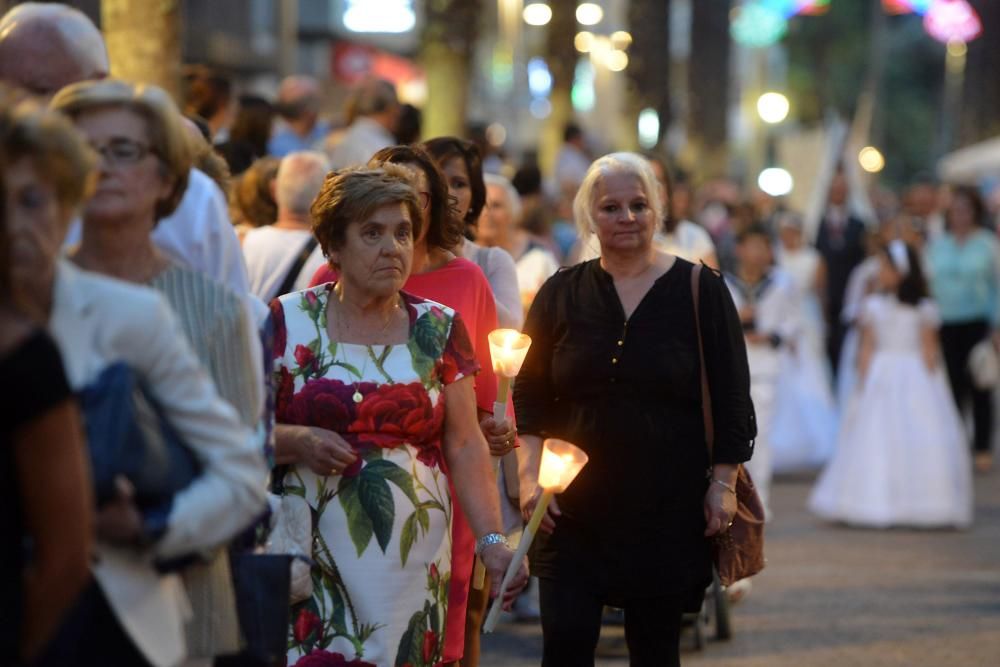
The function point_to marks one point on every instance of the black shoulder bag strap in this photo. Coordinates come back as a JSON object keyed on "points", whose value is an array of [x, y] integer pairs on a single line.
{"points": [[293, 273]]}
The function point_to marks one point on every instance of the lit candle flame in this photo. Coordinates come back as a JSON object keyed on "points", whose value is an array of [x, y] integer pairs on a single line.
{"points": [[508, 349]]}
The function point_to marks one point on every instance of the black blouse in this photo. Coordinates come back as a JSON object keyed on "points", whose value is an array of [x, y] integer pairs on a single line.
{"points": [[628, 393], [34, 383]]}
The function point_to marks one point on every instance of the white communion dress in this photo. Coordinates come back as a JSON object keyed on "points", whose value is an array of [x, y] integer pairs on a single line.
{"points": [[902, 457], [803, 430], [774, 302]]}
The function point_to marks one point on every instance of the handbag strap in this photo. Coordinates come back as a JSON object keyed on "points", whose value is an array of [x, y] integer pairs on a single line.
{"points": [[296, 268], [706, 397]]}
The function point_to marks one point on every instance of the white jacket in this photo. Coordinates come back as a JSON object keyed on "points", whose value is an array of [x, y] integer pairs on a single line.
{"points": [[97, 321]]}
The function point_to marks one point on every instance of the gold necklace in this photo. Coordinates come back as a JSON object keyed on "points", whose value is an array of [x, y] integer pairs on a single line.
{"points": [[357, 396]]}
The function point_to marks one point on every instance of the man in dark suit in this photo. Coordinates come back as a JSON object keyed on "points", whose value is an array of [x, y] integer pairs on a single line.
{"points": [[841, 242]]}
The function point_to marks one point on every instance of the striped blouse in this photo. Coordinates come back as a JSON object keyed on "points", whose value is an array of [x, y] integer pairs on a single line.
{"points": [[220, 331]]}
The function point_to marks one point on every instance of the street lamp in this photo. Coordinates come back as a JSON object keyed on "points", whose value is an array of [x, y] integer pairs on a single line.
{"points": [[583, 41], [589, 13], [773, 108], [537, 13], [616, 60], [621, 39], [871, 160], [775, 181]]}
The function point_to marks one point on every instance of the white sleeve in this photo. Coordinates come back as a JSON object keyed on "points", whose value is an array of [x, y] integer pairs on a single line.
{"points": [[223, 255], [200, 235], [230, 491], [501, 272], [929, 314], [867, 310], [702, 245]]}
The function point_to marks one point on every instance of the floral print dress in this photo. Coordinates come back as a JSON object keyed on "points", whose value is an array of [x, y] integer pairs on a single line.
{"points": [[381, 528]]}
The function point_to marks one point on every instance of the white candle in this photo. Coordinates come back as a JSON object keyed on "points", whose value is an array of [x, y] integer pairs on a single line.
{"points": [[561, 463]]}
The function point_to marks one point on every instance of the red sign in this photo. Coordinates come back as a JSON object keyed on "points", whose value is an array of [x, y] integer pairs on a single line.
{"points": [[353, 62]]}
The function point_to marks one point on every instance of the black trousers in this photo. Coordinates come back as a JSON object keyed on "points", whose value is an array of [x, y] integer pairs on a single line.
{"points": [[571, 626], [835, 335], [957, 340]]}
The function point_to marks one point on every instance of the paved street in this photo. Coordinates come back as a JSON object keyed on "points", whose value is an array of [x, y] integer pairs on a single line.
{"points": [[844, 597]]}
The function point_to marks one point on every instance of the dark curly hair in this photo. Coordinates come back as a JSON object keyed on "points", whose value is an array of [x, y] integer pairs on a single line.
{"points": [[444, 230], [446, 148]]}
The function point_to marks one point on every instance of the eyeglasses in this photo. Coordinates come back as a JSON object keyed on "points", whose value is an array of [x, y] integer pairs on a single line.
{"points": [[122, 151]]}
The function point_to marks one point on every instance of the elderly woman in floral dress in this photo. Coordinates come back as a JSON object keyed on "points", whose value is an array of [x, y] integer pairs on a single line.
{"points": [[364, 374]]}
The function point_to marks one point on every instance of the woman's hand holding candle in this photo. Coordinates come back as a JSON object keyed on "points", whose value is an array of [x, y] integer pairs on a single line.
{"points": [[548, 523], [497, 559], [500, 435], [561, 462]]}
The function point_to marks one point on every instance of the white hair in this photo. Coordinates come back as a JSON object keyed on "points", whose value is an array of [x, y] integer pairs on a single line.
{"points": [[513, 199], [300, 178], [632, 164]]}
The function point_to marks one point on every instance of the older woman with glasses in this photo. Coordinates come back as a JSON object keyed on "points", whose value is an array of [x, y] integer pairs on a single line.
{"points": [[142, 174]]}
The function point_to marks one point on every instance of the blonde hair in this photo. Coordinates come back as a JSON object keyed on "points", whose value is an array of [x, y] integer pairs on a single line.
{"points": [[167, 137], [631, 164], [353, 195]]}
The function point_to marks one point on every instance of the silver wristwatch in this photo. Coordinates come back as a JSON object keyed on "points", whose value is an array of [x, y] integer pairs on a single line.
{"points": [[490, 539]]}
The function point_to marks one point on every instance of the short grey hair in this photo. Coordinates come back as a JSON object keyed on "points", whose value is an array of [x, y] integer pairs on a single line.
{"points": [[513, 199], [300, 178], [614, 163]]}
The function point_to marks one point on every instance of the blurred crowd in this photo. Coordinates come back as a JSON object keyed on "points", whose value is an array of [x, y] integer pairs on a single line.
{"points": [[186, 251]]}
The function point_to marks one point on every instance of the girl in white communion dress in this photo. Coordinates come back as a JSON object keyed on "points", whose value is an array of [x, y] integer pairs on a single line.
{"points": [[902, 457]]}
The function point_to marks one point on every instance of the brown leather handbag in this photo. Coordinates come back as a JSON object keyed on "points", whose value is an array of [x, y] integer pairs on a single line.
{"points": [[739, 551]]}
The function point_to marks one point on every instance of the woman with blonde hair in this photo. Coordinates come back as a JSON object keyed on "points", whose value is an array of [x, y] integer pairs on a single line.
{"points": [[614, 369], [143, 170]]}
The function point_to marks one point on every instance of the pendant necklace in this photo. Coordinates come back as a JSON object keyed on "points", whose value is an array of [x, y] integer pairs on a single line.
{"points": [[357, 397]]}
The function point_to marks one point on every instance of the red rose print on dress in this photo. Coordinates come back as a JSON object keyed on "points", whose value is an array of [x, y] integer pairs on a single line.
{"points": [[320, 658], [283, 394], [323, 403], [430, 644], [306, 624], [398, 413], [459, 356], [306, 359], [280, 332]]}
